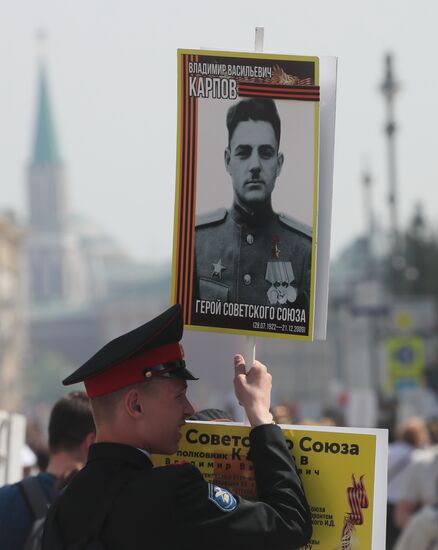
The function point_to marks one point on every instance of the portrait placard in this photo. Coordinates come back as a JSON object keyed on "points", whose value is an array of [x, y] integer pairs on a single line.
{"points": [[246, 212], [343, 470]]}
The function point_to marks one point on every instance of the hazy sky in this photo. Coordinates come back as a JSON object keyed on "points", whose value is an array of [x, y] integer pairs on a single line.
{"points": [[112, 69]]}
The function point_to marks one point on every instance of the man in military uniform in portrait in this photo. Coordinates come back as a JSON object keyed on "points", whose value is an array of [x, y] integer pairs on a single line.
{"points": [[249, 253]]}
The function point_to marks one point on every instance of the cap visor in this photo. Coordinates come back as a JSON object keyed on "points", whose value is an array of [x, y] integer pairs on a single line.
{"points": [[184, 374]]}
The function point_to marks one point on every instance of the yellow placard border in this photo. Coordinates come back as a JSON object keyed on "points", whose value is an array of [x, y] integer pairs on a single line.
{"points": [[250, 55], [372, 460]]}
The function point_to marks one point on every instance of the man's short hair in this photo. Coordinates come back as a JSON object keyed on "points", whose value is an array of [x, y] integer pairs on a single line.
{"points": [[104, 407], [70, 422], [253, 109]]}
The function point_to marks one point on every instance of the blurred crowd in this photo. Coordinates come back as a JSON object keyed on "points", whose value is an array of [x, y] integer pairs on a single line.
{"points": [[50, 458], [53, 450], [412, 497], [412, 510]]}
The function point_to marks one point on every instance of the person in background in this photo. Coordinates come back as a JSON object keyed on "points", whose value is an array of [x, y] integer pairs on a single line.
{"points": [[432, 426], [36, 438], [28, 460], [421, 531], [410, 436], [71, 432], [281, 414]]}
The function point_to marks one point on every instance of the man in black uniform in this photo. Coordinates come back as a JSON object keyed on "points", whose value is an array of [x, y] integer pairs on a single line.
{"points": [[249, 253], [137, 384]]}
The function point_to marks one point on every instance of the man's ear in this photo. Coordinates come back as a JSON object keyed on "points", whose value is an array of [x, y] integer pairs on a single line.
{"points": [[90, 439], [132, 403], [227, 158], [280, 160]]}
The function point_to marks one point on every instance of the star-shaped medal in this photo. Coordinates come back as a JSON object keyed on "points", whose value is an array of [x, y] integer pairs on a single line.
{"points": [[218, 268], [275, 247]]}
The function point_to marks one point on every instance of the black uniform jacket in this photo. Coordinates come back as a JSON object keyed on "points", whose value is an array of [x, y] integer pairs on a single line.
{"points": [[262, 259], [169, 507]]}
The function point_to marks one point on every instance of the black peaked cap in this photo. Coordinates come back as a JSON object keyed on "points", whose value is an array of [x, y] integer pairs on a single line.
{"points": [[164, 329]]}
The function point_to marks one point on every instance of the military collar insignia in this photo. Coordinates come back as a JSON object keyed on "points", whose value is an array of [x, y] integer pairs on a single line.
{"points": [[120, 452], [244, 215]]}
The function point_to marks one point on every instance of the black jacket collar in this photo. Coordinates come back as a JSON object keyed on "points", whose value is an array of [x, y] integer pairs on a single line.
{"points": [[248, 216], [119, 452]]}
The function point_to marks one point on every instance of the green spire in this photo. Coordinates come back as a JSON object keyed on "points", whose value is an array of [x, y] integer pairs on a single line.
{"points": [[45, 148]]}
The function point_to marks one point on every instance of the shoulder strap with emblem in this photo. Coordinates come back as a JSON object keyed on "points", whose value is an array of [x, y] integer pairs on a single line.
{"points": [[294, 224], [211, 217]]}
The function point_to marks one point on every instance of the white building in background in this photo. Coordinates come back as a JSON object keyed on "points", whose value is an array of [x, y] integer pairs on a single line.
{"points": [[12, 331]]}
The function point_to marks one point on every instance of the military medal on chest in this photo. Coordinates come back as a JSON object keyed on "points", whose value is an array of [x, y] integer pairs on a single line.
{"points": [[276, 247], [281, 276], [217, 269]]}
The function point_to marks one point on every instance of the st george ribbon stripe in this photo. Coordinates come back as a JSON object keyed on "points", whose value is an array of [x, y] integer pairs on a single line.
{"points": [[277, 87], [192, 183], [186, 204], [192, 201], [187, 194], [282, 95], [278, 96], [183, 188], [357, 499], [304, 93], [181, 176]]}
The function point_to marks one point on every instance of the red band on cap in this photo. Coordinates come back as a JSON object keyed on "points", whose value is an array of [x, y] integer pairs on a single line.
{"points": [[131, 371]]}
